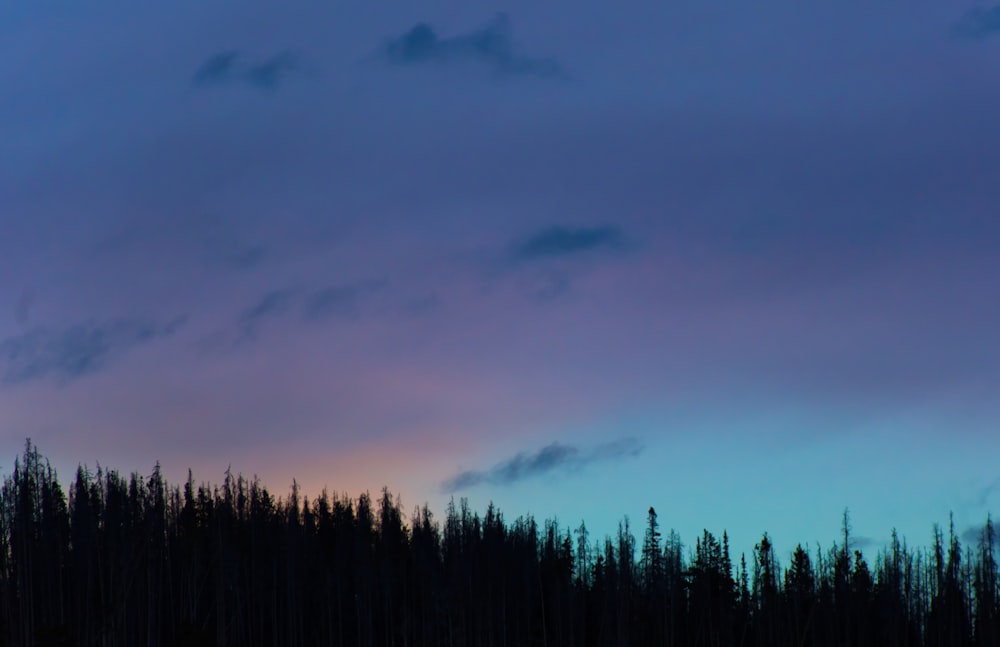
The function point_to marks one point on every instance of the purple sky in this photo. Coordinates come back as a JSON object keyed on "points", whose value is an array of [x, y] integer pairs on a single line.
{"points": [[737, 262]]}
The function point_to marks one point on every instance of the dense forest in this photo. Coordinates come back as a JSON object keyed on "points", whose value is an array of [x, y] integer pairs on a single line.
{"points": [[137, 561]]}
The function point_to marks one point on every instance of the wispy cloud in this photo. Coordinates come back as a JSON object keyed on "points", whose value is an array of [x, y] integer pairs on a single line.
{"points": [[228, 67], [274, 303], [220, 68], [342, 301], [75, 351], [549, 459], [973, 535], [491, 45], [860, 542], [270, 73], [564, 241], [339, 300], [244, 258], [987, 492], [979, 23]]}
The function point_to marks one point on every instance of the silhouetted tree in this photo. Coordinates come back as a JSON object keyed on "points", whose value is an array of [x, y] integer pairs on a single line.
{"points": [[138, 561]]}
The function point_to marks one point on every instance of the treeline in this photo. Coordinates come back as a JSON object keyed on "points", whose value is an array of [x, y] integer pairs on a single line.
{"points": [[137, 561]]}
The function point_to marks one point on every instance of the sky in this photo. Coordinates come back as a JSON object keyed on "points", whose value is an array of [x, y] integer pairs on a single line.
{"points": [[736, 262]]}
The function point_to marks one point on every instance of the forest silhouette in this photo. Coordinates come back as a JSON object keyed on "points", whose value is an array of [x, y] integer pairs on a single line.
{"points": [[138, 561]]}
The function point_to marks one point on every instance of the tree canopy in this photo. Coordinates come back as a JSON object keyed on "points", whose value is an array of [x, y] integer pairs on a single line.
{"points": [[139, 561]]}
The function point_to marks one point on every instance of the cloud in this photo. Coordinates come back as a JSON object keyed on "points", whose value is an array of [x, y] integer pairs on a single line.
{"points": [[562, 241], [75, 351], [339, 300], [220, 68], [979, 23], [244, 258], [972, 535], [227, 67], [334, 301], [987, 492], [276, 302], [271, 72], [492, 46], [860, 542], [548, 459]]}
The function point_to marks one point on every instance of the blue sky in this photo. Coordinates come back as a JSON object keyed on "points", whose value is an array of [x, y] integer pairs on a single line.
{"points": [[738, 263]]}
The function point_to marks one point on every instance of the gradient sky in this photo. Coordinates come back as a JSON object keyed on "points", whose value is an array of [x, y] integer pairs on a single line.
{"points": [[739, 262]]}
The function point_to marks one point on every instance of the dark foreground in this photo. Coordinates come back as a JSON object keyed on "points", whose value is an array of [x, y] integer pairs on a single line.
{"points": [[137, 561]]}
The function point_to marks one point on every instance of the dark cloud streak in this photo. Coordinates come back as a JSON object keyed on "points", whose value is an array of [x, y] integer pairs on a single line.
{"points": [[245, 258], [270, 73], [227, 68], [274, 303], [563, 241], [979, 23], [974, 535], [548, 459], [492, 46], [987, 492], [339, 300], [75, 351], [218, 69]]}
